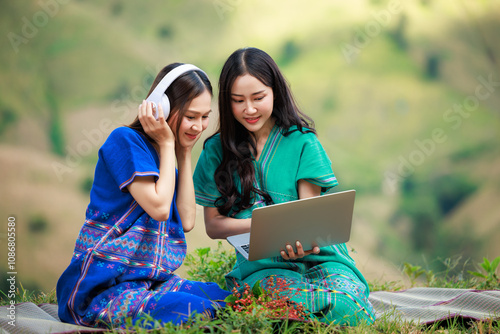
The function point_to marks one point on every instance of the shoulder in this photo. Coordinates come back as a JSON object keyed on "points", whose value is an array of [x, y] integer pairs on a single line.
{"points": [[124, 135], [300, 137], [210, 158], [213, 143], [124, 139], [124, 132]]}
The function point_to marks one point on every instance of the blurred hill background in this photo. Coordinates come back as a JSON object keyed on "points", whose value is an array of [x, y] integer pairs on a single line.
{"points": [[405, 96]]}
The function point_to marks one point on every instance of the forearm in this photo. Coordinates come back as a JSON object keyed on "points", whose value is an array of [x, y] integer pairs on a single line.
{"points": [[186, 204], [165, 185], [221, 227]]}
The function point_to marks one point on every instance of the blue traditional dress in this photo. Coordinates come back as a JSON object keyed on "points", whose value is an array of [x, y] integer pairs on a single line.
{"points": [[124, 260], [328, 284]]}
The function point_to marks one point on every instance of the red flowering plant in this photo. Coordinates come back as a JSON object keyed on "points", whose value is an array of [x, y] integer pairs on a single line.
{"points": [[272, 302]]}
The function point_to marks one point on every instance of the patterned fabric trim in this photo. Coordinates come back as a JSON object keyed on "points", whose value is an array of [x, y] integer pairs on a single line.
{"points": [[361, 307], [327, 181], [128, 262], [90, 234], [269, 151], [127, 182], [205, 199], [131, 303]]}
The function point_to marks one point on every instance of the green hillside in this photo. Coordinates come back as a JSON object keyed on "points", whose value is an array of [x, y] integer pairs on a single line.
{"points": [[405, 100]]}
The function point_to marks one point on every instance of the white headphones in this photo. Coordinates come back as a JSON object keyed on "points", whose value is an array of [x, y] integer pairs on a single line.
{"points": [[158, 96]]}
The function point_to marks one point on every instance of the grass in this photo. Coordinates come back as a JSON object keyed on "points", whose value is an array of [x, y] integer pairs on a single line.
{"points": [[230, 321], [368, 113]]}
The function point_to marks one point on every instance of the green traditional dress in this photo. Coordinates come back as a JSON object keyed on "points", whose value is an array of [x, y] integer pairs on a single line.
{"points": [[327, 284]]}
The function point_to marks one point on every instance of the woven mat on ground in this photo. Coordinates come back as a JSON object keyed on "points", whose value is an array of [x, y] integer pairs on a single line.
{"points": [[417, 305], [429, 305], [35, 319]]}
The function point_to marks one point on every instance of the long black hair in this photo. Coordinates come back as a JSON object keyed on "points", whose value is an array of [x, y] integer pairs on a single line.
{"points": [[237, 142], [181, 92]]}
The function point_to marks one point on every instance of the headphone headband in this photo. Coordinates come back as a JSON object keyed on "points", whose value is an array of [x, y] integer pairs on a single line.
{"points": [[158, 95]]}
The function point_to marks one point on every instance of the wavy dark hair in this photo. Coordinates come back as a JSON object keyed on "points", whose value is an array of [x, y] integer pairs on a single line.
{"points": [[181, 92], [238, 143]]}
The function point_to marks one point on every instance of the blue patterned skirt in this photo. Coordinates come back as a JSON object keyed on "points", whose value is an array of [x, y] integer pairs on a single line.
{"points": [[121, 273]]}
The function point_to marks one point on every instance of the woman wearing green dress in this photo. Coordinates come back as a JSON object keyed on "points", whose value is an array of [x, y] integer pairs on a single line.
{"points": [[266, 152]]}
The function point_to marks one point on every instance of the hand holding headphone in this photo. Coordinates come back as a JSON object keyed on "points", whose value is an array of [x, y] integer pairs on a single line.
{"points": [[158, 95]]}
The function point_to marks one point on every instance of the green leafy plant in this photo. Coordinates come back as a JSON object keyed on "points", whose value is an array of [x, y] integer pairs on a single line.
{"points": [[413, 272], [490, 277], [430, 277], [451, 277], [210, 265]]}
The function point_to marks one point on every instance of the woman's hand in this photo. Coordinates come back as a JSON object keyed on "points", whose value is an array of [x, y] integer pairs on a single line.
{"points": [[157, 129], [291, 254], [306, 190]]}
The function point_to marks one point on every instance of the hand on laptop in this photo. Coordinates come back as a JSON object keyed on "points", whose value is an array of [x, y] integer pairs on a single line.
{"points": [[291, 254]]}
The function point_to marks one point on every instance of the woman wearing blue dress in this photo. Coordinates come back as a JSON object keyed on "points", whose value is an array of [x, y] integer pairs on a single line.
{"points": [[140, 206]]}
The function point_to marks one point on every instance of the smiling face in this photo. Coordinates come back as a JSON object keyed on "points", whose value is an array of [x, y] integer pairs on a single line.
{"points": [[194, 120], [252, 104]]}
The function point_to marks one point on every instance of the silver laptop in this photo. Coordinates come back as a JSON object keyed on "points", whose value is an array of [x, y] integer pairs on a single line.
{"points": [[316, 221]]}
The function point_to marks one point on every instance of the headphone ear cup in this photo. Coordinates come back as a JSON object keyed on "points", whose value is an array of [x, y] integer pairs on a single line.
{"points": [[165, 104]]}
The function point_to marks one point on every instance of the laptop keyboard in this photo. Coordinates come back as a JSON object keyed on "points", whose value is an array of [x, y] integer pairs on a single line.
{"points": [[246, 247]]}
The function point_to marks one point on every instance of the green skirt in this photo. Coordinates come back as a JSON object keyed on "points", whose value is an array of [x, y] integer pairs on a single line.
{"points": [[328, 284]]}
